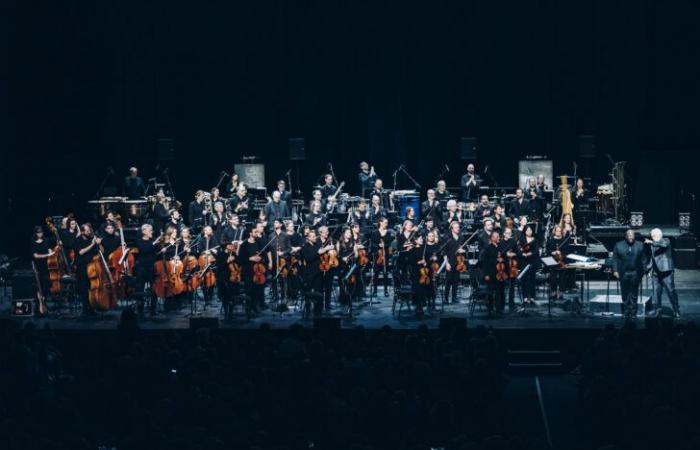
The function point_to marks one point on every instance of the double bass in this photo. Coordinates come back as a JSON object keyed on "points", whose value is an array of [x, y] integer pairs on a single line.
{"points": [[121, 261], [59, 266], [102, 294], [40, 297]]}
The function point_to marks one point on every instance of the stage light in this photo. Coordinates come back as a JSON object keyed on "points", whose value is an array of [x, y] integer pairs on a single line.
{"points": [[684, 221], [636, 219]]}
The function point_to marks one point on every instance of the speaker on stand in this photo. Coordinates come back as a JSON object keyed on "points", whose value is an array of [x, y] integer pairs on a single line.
{"points": [[468, 148]]}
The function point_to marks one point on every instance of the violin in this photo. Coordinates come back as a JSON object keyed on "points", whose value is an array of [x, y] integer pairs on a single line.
{"points": [[501, 274], [235, 271], [259, 273], [514, 271]]}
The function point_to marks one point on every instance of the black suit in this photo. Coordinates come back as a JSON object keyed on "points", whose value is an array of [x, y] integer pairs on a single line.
{"points": [[517, 209], [629, 262], [661, 265]]}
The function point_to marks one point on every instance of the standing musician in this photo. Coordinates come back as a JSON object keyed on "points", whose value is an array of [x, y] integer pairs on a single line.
{"points": [[240, 203], [366, 178], [535, 195], [326, 246], [145, 258], [347, 255], [484, 209], [134, 187], [433, 259], [376, 209], [404, 243], [441, 193], [499, 219], [579, 199], [429, 226], [279, 248], [629, 262], [557, 247], [519, 206], [207, 245], [491, 259], [328, 187], [215, 195], [195, 210], [661, 266], [277, 209], [233, 229], [315, 218], [251, 256], [110, 239], [317, 196], [453, 247], [227, 288], [530, 256], [567, 225], [232, 185], [87, 246], [68, 233], [431, 207], [470, 184], [311, 275], [421, 275], [360, 215], [296, 242], [382, 193], [381, 239], [285, 195], [40, 254], [484, 236], [161, 210], [510, 251], [174, 221], [452, 214]]}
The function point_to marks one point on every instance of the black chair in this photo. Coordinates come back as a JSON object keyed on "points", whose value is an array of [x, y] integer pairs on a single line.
{"points": [[481, 294]]}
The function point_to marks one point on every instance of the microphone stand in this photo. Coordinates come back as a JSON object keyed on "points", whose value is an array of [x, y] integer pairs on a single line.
{"points": [[104, 181], [443, 172], [170, 185], [415, 183], [396, 173], [221, 178]]}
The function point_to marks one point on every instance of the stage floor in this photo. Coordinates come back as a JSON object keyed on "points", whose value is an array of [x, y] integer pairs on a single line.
{"points": [[380, 313]]}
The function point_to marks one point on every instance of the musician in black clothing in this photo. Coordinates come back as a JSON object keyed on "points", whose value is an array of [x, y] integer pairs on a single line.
{"points": [[441, 192], [431, 207], [277, 209], [381, 239], [382, 193], [366, 178], [510, 250], [250, 253], [520, 206], [161, 212], [86, 246], [434, 259], [145, 259], [328, 187], [110, 240], [453, 247], [68, 233], [315, 218], [421, 276], [195, 211], [629, 261], [361, 215], [134, 187], [347, 257], [232, 185], [279, 248], [499, 219], [484, 209], [311, 274], [579, 199], [285, 195], [175, 221], [484, 236], [451, 214], [557, 247], [376, 209], [296, 242], [530, 256], [470, 184], [241, 202], [233, 231], [404, 243], [326, 246], [225, 287], [40, 254], [488, 259]]}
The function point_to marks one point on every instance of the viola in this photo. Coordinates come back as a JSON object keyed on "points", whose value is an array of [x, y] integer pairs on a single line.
{"points": [[461, 263], [362, 259], [501, 274], [514, 271], [259, 273]]}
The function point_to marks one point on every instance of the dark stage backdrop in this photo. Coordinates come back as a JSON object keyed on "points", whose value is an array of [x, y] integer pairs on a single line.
{"points": [[94, 84]]}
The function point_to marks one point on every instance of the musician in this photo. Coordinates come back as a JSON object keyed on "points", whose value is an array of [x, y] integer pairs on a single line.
{"points": [[530, 257], [233, 231], [499, 219], [360, 215], [68, 233], [188, 245], [411, 215], [277, 209], [453, 247], [215, 195], [40, 255], [421, 275], [536, 197], [470, 184], [347, 255], [311, 274], [429, 226], [161, 210], [484, 236], [134, 187], [382, 193], [317, 196], [87, 246], [628, 261], [519, 206], [484, 209], [404, 243], [315, 218], [541, 185], [110, 239], [452, 214], [567, 225], [661, 266], [326, 245], [285, 195], [225, 287], [250, 253], [240, 203], [279, 248], [519, 231], [557, 247], [145, 258], [510, 251], [433, 258], [579, 199], [366, 178], [441, 193], [232, 185], [381, 239], [175, 220], [195, 210], [296, 242], [489, 259], [218, 220], [431, 207], [376, 210], [328, 187]]}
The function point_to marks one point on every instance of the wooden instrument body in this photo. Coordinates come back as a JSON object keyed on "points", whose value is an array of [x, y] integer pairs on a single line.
{"points": [[102, 294], [501, 274], [208, 279]]}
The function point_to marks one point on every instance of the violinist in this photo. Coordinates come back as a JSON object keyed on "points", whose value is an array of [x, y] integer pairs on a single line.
{"points": [[196, 210], [380, 239], [240, 203], [315, 218], [432, 206], [87, 246], [556, 248], [251, 258], [208, 247], [296, 242], [233, 229], [433, 259], [530, 257], [347, 255], [110, 239], [453, 247], [376, 209], [40, 255], [484, 236], [146, 254], [226, 258], [327, 247], [404, 242], [421, 277], [495, 274], [510, 250]]}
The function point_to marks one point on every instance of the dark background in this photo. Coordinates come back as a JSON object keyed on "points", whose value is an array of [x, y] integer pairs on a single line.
{"points": [[94, 84]]}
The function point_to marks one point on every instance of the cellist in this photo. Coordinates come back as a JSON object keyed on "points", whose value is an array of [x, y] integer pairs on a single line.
{"points": [[86, 246]]}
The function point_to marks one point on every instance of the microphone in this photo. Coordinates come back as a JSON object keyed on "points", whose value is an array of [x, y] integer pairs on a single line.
{"points": [[486, 169], [287, 173], [447, 168]]}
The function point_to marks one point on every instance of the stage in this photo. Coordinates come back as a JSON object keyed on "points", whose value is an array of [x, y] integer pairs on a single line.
{"points": [[564, 314]]}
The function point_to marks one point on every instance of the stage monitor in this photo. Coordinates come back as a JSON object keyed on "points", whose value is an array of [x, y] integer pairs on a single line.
{"points": [[253, 175], [531, 168]]}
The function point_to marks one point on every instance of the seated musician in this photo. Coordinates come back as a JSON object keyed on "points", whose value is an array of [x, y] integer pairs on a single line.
{"points": [[411, 215], [381, 239], [556, 248], [470, 184], [277, 209], [484, 209], [376, 209], [328, 187], [134, 188], [441, 193], [382, 193], [366, 178], [519, 206], [317, 196], [240, 203], [315, 218], [429, 226], [432, 206]]}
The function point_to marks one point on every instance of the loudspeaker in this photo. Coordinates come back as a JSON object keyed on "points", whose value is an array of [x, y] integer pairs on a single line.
{"points": [[166, 149], [586, 146], [453, 323], [204, 322], [327, 323], [467, 147], [22, 284], [297, 149]]}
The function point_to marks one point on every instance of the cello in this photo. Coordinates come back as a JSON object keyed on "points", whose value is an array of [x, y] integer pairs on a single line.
{"points": [[102, 295], [121, 260]]}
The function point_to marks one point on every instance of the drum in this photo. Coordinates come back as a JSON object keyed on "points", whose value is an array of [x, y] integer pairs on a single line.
{"points": [[605, 189], [135, 209], [411, 200]]}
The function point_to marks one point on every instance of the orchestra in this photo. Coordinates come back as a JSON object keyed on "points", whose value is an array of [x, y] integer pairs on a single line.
{"points": [[331, 254]]}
